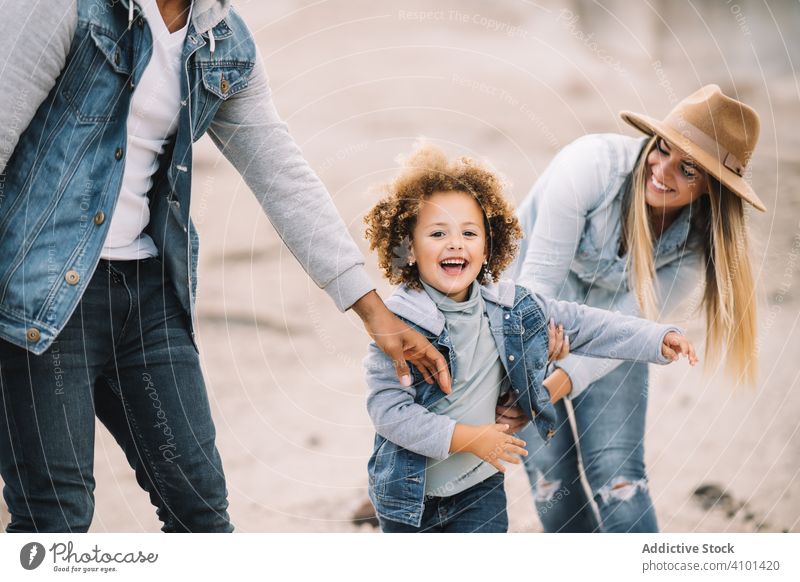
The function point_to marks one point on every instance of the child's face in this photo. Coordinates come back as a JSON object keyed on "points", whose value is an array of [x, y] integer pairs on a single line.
{"points": [[449, 242]]}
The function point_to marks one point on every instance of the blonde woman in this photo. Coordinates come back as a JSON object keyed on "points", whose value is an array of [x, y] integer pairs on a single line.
{"points": [[635, 224]]}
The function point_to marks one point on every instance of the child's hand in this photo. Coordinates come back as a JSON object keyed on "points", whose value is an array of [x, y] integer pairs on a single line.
{"points": [[676, 344], [488, 442], [557, 342]]}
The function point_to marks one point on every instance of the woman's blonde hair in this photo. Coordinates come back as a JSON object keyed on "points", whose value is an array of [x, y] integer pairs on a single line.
{"points": [[718, 224]]}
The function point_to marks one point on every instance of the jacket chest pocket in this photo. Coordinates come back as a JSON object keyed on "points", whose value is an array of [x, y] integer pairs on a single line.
{"points": [[96, 76], [214, 83]]}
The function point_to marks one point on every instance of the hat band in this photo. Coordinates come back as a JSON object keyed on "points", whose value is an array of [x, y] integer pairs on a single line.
{"points": [[697, 136]]}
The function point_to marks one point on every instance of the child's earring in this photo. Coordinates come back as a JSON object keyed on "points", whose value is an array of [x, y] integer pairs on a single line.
{"points": [[486, 261], [410, 263]]}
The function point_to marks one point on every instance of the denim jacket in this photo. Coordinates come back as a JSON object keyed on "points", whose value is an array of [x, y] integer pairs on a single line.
{"points": [[61, 184], [408, 432], [572, 222]]}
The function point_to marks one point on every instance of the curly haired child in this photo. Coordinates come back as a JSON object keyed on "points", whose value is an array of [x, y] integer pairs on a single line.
{"points": [[445, 233]]}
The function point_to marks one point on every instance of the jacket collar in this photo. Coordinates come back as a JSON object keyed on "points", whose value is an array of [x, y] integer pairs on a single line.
{"points": [[417, 307]]}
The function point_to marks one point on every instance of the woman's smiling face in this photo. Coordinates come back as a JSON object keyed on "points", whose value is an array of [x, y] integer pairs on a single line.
{"points": [[673, 179], [449, 242]]}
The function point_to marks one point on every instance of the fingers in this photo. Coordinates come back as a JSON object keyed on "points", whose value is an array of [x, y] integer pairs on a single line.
{"points": [[564, 350], [692, 355], [442, 371], [555, 340], [668, 352], [400, 366]]}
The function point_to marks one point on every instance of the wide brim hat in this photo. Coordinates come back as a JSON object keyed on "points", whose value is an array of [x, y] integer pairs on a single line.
{"points": [[719, 134]]}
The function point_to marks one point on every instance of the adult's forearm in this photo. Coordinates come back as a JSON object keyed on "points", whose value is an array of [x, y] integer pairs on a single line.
{"points": [[252, 136]]}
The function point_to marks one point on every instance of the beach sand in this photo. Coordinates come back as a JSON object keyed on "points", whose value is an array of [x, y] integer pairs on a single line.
{"points": [[511, 82]]}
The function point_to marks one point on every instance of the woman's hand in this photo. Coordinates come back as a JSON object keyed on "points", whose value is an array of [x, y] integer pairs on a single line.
{"points": [[489, 442], [557, 342], [675, 345], [510, 414], [401, 343]]}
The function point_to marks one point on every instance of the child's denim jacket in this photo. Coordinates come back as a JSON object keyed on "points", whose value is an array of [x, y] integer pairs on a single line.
{"points": [[408, 432]]}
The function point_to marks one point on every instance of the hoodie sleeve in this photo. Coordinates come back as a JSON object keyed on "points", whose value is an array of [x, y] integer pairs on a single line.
{"points": [[397, 417], [606, 334], [251, 135], [35, 38]]}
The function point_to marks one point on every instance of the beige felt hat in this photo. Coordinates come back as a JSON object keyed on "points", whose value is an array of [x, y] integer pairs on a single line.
{"points": [[719, 133]]}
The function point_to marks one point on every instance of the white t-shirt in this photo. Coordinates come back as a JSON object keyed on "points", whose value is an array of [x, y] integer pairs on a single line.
{"points": [[153, 118]]}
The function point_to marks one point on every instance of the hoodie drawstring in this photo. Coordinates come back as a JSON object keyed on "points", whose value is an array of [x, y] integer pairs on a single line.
{"points": [[212, 45], [130, 14]]}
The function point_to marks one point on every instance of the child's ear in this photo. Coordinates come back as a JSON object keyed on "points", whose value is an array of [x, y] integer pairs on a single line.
{"points": [[411, 258]]}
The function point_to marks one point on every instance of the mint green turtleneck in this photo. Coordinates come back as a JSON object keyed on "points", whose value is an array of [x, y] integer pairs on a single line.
{"points": [[478, 381]]}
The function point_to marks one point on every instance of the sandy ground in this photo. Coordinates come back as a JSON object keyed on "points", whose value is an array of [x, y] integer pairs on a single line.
{"points": [[512, 82]]}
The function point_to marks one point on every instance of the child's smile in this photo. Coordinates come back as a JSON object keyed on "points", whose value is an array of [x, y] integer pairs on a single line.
{"points": [[449, 242]]}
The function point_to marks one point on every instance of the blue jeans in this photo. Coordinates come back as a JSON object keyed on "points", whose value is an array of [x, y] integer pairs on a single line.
{"points": [[610, 419], [479, 509], [127, 357]]}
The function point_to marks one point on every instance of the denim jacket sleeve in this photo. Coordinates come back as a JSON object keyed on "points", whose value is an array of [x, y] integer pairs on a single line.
{"points": [[251, 135], [674, 283], [574, 184], [605, 334], [35, 39], [397, 417]]}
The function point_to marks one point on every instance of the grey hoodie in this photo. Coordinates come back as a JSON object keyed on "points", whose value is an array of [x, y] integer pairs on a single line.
{"points": [[35, 39]]}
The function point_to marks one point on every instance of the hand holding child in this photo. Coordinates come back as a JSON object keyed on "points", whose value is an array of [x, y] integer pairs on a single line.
{"points": [[488, 442], [675, 344]]}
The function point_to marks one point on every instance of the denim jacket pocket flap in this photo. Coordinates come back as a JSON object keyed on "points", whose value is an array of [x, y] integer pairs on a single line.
{"points": [[225, 79], [114, 53]]}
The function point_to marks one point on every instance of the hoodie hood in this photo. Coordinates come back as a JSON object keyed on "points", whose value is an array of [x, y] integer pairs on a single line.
{"points": [[206, 14], [417, 306]]}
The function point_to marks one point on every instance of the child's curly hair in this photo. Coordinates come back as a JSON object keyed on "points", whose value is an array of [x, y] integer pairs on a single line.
{"points": [[391, 221]]}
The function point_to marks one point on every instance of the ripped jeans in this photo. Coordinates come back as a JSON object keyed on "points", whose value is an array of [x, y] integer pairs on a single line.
{"points": [[610, 420]]}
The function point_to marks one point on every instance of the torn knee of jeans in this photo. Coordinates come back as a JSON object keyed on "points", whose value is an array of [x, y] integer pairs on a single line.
{"points": [[544, 490], [622, 489]]}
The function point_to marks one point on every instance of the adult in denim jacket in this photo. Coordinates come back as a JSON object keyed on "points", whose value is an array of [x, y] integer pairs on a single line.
{"points": [[408, 432], [686, 184], [81, 336]]}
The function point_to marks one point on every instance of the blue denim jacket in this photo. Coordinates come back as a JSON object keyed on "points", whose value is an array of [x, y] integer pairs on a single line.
{"points": [[572, 223], [407, 432], [61, 184]]}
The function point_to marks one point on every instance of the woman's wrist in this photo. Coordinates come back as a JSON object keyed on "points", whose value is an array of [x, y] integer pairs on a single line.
{"points": [[558, 384]]}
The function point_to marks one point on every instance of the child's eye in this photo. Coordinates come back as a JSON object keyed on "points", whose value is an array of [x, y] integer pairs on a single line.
{"points": [[689, 171], [437, 234], [661, 146], [470, 233]]}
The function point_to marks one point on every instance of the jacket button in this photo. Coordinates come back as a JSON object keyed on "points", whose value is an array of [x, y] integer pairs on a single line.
{"points": [[118, 154], [508, 316], [131, 84], [551, 433], [100, 217], [511, 358], [116, 57], [72, 277], [224, 85], [33, 335]]}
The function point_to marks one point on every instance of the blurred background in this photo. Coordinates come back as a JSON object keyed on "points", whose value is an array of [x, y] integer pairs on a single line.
{"points": [[509, 81]]}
